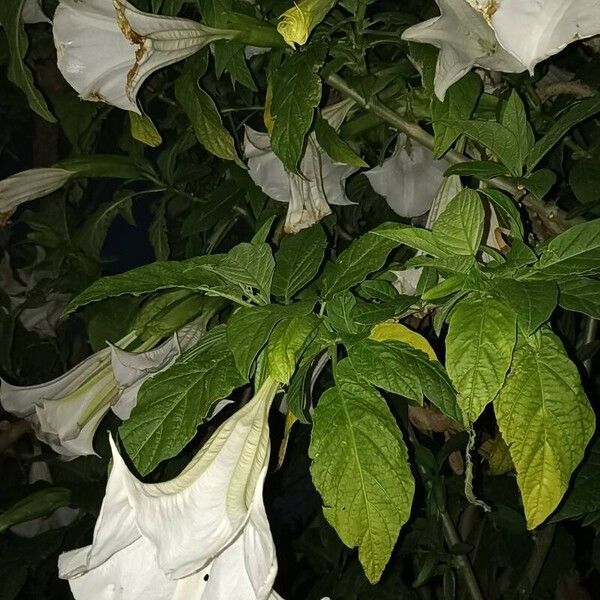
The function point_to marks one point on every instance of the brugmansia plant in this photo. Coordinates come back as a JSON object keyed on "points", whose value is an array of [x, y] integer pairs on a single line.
{"points": [[299, 300]]}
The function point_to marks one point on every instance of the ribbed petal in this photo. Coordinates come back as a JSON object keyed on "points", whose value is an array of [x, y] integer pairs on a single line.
{"points": [[192, 517]]}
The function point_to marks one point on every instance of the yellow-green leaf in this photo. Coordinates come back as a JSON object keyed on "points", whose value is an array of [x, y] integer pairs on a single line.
{"points": [[546, 420], [144, 130], [360, 467], [481, 338]]}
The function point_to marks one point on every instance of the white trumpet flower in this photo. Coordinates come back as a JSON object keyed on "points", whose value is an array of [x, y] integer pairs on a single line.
{"points": [[66, 411], [465, 40], [107, 48], [409, 179], [535, 30], [29, 185], [309, 196], [201, 536]]}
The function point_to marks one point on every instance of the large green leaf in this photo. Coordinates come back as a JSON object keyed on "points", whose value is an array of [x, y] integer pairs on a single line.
{"points": [[296, 93], [335, 146], [584, 496], [18, 71], [172, 404], [204, 115], [360, 467], [249, 266], [413, 237], [298, 260], [574, 252], [146, 279], [402, 369], [481, 338], [500, 140], [546, 420], [533, 301], [581, 295], [460, 227], [459, 102], [366, 254]]}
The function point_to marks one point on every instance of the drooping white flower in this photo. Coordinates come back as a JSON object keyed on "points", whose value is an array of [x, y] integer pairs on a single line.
{"points": [[465, 40], [534, 30], [201, 536], [107, 48], [409, 179], [32, 12], [66, 411], [309, 196], [29, 185]]}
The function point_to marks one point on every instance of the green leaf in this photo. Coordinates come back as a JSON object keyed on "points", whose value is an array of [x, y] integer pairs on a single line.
{"points": [[298, 260], [143, 280], [533, 301], [413, 237], [581, 295], [498, 139], [144, 130], [360, 468], [584, 110], [38, 504], [296, 92], [366, 254], [546, 420], [335, 146], [514, 119], [538, 183], [286, 343], [204, 115], [249, 329], [105, 165], [249, 266], [481, 338], [459, 103], [340, 315], [401, 369], [172, 404], [482, 169], [18, 43], [460, 227], [584, 180], [506, 211], [584, 496], [574, 252]]}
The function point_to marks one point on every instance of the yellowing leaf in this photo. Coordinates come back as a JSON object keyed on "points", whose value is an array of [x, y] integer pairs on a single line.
{"points": [[360, 467], [396, 332], [546, 420]]}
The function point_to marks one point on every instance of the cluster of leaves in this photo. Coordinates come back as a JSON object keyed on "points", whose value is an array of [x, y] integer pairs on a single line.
{"points": [[386, 431]]}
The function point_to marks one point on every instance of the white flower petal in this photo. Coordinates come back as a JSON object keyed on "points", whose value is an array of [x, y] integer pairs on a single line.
{"points": [[29, 185], [265, 169], [131, 369], [409, 179], [407, 280], [465, 40], [33, 13], [106, 49], [534, 30]]}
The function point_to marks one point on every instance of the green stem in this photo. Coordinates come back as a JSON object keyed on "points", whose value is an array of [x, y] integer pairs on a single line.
{"points": [[554, 218]]}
